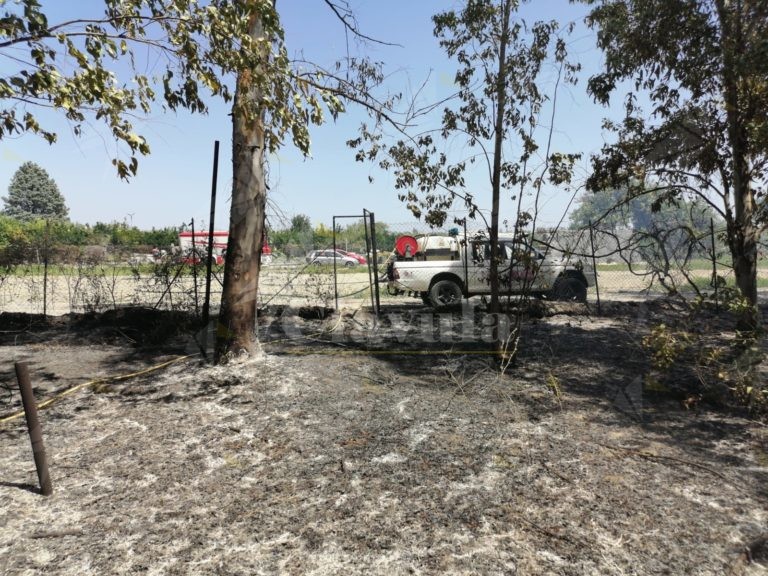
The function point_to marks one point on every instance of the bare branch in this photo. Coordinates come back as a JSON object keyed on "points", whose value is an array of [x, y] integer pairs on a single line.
{"points": [[344, 13]]}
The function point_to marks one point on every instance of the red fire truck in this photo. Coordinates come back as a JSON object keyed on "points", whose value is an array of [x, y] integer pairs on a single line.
{"points": [[194, 249]]}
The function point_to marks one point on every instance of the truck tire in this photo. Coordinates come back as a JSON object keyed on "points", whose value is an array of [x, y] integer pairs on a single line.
{"points": [[445, 294], [569, 289]]}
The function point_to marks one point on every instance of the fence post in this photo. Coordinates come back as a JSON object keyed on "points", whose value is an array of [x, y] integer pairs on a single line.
{"points": [[714, 263], [33, 426], [207, 302], [465, 258], [594, 266], [335, 281], [369, 253], [45, 266], [194, 264], [375, 254]]}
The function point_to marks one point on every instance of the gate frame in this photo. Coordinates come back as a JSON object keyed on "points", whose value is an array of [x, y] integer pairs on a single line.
{"points": [[369, 225]]}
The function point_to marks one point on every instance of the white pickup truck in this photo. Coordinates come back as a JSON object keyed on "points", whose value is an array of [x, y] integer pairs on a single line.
{"points": [[441, 278]]}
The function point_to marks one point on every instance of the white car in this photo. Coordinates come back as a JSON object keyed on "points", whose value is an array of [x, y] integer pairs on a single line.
{"points": [[328, 256]]}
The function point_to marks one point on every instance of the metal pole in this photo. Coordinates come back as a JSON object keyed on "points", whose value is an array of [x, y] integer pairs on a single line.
{"points": [[194, 264], [465, 257], [368, 252], [594, 266], [45, 268], [714, 262], [207, 303], [335, 283], [375, 264], [33, 425]]}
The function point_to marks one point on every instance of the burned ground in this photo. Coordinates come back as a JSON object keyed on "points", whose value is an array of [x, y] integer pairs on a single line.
{"points": [[359, 448]]}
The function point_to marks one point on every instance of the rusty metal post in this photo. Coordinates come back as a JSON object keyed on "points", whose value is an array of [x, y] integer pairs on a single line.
{"points": [[33, 425]]}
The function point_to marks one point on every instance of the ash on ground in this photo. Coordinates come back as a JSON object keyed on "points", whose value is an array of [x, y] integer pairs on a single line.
{"points": [[332, 456]]}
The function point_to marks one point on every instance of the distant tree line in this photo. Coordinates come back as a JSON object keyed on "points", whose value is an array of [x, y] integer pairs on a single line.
{"points": [[648, 227], [35, 220], [615, 210], [22, 241]]}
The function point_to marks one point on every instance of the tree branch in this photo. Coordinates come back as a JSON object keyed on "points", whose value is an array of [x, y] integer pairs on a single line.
{"points": [[345, 15]]}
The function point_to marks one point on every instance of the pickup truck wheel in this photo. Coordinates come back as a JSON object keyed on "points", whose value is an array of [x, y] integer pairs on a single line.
{"points": [[445, 294], [569, 289], [425, 298]]}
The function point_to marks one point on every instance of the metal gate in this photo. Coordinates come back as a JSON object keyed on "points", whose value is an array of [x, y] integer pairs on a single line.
{"points": [[369, 222]]}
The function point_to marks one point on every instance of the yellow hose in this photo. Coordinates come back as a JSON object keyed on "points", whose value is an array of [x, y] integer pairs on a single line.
{"points": [[77, 387]]}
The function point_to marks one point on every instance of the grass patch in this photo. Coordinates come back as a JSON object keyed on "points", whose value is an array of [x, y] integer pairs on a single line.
{"points": [[730, 280], [27, 270], [105, 270], [695, 264], [109, 270], [328, 269]]}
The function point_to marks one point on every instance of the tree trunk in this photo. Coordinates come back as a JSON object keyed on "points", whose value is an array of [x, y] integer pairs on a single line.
{"points": [[742, 235], [745, 269], [236, 331]]}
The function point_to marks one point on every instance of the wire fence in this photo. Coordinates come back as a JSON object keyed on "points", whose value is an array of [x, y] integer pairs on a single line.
{"points": [[677, 260], [57, 279], [631, 263], [83, 284]]}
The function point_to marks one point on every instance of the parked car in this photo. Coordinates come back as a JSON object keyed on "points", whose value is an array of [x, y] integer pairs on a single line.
{"points": [[328, 256], [359, 257]]}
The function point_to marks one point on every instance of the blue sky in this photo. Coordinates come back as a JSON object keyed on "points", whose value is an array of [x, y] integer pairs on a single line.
{"points": [[173, 184]]}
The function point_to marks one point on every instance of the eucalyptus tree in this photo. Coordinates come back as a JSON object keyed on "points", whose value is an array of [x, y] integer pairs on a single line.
{"points": [[502, 61], [702, 66], [275, 99], [91, 69]]}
